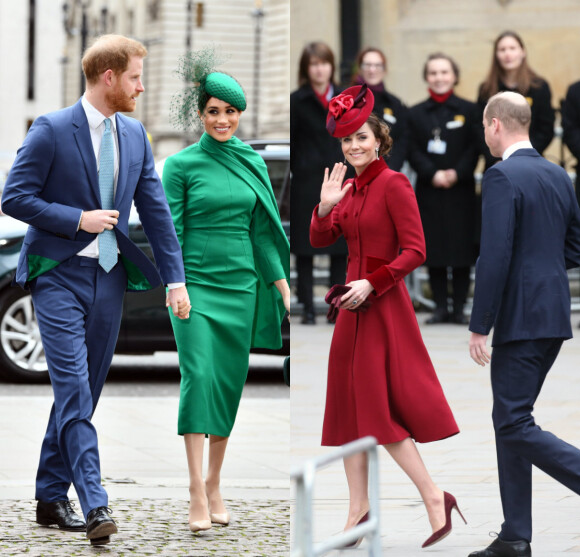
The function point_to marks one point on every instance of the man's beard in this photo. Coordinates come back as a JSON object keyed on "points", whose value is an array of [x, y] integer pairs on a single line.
{"points": [[118, 101]]}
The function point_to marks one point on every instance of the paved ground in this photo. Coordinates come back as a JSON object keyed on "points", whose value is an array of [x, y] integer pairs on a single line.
{"points": [[463, 465], [145, 473]]}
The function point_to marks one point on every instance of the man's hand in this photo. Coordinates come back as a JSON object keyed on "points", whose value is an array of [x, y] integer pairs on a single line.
{"points": [[97, 221], [478, 350], [178, 300]]}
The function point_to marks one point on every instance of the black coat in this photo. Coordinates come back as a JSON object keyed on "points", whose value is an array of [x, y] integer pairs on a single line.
{"points": [[448, 215], [541, 126], [312, 149], [390, 109], [571, 127]]}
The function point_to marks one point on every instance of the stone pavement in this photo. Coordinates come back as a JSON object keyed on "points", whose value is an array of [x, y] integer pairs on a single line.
{"points": [[464, 465], [145, 472]]}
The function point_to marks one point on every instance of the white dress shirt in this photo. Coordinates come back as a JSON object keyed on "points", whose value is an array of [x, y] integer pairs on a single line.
{"points": [[97, 128], [516, 147]]}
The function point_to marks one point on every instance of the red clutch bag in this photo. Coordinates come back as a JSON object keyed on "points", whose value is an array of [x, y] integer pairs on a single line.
{"points": [[334, 298]]}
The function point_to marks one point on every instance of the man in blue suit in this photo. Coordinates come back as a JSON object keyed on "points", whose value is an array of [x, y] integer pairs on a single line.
{"points": [[73, 181], [530, 236]]}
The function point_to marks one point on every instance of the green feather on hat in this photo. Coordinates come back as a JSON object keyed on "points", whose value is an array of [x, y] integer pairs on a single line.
{"points": [[197, 70]]}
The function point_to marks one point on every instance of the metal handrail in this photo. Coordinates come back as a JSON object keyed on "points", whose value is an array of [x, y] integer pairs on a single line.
{"points": [[304, 478]]}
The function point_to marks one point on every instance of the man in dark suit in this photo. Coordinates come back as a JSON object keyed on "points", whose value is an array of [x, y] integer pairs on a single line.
{"points": [[530, 236], [73, 181]]}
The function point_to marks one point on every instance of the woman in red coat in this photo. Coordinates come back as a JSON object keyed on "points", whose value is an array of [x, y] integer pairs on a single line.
{"points": [[380, 379]]}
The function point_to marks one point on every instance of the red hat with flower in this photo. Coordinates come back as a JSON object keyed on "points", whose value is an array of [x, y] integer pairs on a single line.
{"points": [[348, 111]]}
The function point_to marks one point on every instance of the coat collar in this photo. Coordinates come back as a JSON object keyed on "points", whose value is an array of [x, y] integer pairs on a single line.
{"points": [[369, 173], [122, 139], [82, 135], [452, 101]]}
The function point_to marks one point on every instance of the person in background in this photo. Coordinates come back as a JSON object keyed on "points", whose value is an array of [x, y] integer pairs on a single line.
{"points": [[510, 71], [371, 66], [571, 127], [311, 150], [443, 151], [237, 263], [381, 381]]}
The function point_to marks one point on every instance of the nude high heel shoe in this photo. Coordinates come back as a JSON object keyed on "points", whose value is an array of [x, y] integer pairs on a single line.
{"points": [[220, 518], [450, 504], [200, 525]]}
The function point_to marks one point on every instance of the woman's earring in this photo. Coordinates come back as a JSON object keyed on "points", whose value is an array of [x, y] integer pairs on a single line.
{"points": [[377, 152], [345, 161]]}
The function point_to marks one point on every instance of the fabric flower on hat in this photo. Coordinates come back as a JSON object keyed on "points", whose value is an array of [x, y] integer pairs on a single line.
{"points": [[348, 111], [340, 104]]}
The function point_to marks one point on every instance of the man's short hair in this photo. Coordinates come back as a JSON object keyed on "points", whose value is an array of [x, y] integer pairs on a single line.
{"points": [[110, 52], [511, 109]]}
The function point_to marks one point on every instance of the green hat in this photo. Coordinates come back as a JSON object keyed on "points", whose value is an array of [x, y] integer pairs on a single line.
{"points": [[197, 70], [225, 88]]}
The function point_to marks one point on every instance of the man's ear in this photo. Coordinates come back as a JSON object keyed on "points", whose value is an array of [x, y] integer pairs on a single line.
{"points": [[108, 77]]}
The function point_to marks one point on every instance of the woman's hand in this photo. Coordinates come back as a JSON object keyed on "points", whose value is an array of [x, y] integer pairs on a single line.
{"points": [[358, 293], [284, 289], [331, 192], [440, 179]]}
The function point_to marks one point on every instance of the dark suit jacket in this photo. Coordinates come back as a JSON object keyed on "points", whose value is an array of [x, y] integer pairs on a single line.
{"points": [[54, 178], [530, 236]]}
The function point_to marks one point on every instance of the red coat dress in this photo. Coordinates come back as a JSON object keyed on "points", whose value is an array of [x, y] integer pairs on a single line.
{"points": [[381, 381]]}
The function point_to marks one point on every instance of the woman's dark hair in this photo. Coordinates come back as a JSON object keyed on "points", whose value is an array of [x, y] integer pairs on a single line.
{"points": [[381, 132], [525, 78], [314, 50], [359, 61], [441, 56]]}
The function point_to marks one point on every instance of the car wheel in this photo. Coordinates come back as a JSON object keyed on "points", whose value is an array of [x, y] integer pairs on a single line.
{"points": [[21, 352]]}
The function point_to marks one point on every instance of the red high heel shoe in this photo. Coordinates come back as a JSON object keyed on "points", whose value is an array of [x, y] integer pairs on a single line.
{"points": [[450, 504], [358, 541]]}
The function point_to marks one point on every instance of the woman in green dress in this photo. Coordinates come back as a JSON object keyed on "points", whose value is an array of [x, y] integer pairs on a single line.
{"points": [[236, 258]]}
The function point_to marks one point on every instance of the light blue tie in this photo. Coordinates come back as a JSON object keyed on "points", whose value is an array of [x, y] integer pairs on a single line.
{"points": [[107, 240]]}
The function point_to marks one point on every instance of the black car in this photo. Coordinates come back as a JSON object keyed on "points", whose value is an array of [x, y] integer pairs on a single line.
{"points": [[145, 327]]}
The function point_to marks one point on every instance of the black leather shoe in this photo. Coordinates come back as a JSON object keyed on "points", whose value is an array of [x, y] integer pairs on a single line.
{"points": [[100, 526], [60, 513], [501, 548], [440, 315], [308, 318], [459, 318]]}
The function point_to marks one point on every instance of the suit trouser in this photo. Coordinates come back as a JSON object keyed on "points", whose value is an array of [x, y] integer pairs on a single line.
{"points": [[460, 283], [518, 371], [78, 306]]}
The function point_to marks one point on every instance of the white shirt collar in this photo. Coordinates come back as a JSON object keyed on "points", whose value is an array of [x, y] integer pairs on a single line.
{"points": [[94, 117], [515, 147]]}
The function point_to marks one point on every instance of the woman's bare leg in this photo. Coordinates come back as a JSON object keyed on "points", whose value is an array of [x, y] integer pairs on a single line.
{"points": [[406, 455], [198, 506], [217, 451], [357, 476]]}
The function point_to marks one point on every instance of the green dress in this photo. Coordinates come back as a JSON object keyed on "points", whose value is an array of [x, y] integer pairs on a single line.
{"points": [[234, 248]]}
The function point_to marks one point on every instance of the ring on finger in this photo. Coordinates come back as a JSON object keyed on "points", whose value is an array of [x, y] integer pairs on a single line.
{"points": [[354, 302]]}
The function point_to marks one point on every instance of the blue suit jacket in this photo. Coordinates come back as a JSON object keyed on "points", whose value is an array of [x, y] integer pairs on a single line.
{"points": [[54, 178], [530, 236]]}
